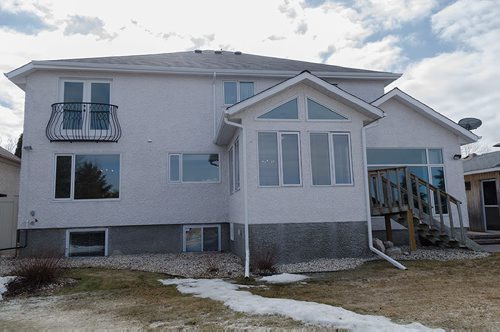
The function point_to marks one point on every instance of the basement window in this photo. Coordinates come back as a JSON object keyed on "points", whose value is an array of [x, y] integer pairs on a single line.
{"points": [[87, 243], [202, 238]]}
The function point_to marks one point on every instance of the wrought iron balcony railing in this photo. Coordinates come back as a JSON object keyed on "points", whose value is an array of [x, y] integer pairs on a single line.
{"points": [[78, 122]]}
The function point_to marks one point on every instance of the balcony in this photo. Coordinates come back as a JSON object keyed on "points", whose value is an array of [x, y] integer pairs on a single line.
{"points": [[83, 122]]}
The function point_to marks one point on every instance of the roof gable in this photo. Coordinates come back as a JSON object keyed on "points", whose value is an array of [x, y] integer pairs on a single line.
{"points": [[426, 111], [315, 82]]}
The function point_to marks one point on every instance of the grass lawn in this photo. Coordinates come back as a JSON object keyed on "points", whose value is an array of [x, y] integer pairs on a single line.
{"points": [[455, 294], [451, 295]]}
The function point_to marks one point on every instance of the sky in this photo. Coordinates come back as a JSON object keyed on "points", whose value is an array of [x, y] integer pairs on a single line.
{"points": [[448, 51]]}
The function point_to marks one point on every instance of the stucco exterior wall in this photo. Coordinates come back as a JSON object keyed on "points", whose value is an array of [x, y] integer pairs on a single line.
{"points": [[177, 114], [304, 203], [403, 127]]}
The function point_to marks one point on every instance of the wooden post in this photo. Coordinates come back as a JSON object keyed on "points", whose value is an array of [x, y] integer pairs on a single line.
{"points": [[411, 230], [388, 227]]}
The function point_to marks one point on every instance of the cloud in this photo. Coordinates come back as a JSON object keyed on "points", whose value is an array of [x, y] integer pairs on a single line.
{"points": [[325, 55], [287, 9], [23, 21], [461, 83], [87, 25], [203, 41], [302, 28], [275, 38]]}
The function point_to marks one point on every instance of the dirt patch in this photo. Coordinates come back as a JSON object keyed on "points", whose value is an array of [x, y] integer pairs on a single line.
{"points": [[462, 294]]}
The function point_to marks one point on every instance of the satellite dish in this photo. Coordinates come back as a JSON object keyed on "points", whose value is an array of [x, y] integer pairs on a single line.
{"points": [[470, 123]]}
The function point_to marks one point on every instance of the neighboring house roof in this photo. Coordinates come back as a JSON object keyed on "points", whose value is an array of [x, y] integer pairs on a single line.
{"points": [[426, 111], [487, 162], [370, 111], [207, 62], [6, 155]]}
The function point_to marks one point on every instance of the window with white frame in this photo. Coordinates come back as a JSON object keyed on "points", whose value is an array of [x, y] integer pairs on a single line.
{"points": [[82, 176], [194, 167], [237, 91], [426, 163], [202, 238], [76, 92], [234, 167], [279, 159], [316, 111], [286, 111], [330, 159], [86, 242]]}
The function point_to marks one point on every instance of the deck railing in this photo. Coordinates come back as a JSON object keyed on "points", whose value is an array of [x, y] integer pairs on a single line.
{"points": [[394, 190], [76, 122]]}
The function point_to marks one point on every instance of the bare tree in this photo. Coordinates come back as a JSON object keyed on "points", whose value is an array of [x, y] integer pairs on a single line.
{"points": [[477, 148]]}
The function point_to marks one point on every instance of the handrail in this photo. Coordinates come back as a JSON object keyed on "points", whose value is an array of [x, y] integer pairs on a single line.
{"points": [[79, 121], [394, 189]]}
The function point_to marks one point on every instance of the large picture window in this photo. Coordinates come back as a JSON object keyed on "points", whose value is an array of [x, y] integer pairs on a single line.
{"points": [[87, 177], [194, 167], [425, 163], [279, 159], [330, 159]]}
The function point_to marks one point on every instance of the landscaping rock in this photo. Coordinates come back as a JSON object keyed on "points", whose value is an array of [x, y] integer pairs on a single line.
{"points": [[388, 244], [393, 251], [378, 244]]}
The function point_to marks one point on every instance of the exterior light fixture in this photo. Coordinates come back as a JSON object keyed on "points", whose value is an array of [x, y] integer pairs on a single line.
{"points": [[457, 157]]}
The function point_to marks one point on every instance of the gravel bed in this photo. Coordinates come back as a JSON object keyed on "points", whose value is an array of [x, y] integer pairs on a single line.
{"points": [[227, 265], [339, 264], [190, 265]]}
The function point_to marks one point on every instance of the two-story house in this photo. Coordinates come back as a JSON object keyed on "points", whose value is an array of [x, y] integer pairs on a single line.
{"points": [[215, 150]]}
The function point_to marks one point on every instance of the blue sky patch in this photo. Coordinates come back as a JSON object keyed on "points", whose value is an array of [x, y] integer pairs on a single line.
{"points": [[23, 21]]}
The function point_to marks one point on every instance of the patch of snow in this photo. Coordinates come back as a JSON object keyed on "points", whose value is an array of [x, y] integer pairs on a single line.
{"points": [[4, 281], [307, 312], [284, 278]]}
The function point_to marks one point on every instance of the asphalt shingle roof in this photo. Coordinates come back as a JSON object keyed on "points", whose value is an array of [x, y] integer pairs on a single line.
{"points": [[483, 161], [7, 155], [209, 59]]}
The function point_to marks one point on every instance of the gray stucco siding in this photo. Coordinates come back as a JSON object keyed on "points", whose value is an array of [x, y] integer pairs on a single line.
{"points": [[299, 242]]}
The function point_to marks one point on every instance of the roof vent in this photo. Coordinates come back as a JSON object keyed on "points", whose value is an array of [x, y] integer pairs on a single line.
{"points": [[237, 53], [197, 51], [218, 52]]}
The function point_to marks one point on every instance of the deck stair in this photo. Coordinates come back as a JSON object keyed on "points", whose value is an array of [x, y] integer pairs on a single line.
{"points": [[399, 195], [485, 238]]}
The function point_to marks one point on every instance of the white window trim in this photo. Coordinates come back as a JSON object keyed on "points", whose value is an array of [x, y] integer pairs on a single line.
{"points": [[181, 154], [84, 230], [323, 104], [269, 109], [72, 184], [185, 227], [86, 87], [280, 158], [238, 96], [232, 150], [331, 151]]}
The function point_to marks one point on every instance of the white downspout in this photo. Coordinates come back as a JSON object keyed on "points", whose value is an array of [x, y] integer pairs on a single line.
{"points": [[213, 103], [245, 191], [368, 210]]}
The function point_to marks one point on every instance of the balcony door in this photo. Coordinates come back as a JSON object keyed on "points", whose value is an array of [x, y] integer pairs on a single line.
{"points": [[491, 210], [86, 105]]}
